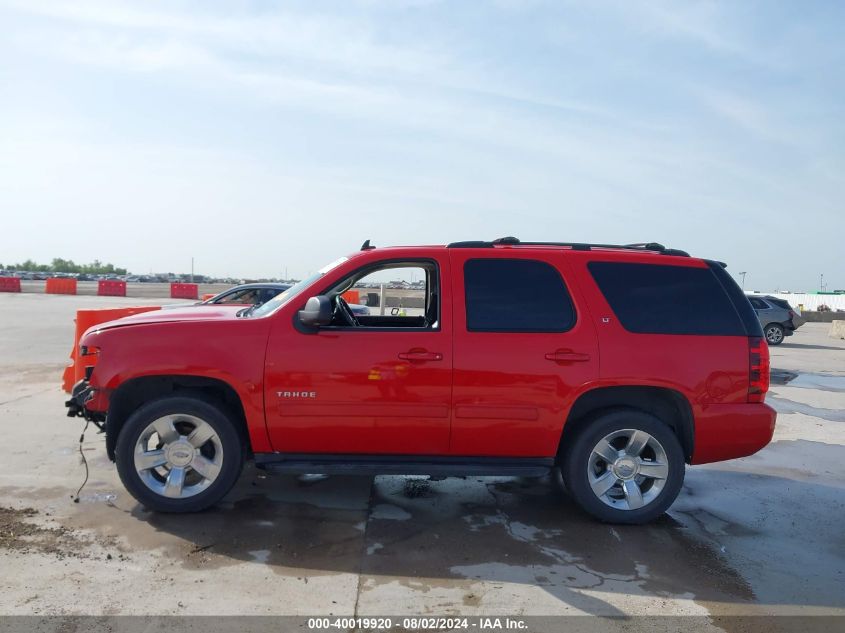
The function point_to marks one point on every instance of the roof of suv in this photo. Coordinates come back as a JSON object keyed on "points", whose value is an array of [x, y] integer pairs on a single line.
{"points": [[646, 247]]}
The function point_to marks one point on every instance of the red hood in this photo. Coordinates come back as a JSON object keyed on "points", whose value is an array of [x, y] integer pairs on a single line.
{"points": [[188, 314]]}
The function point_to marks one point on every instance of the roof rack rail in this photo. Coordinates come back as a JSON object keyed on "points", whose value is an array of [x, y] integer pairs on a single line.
{"points": [[575, 246]]}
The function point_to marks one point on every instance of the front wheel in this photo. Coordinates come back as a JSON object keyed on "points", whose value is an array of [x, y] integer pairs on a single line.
{"points": [[624, 466], [774, 334], [179, 454]]}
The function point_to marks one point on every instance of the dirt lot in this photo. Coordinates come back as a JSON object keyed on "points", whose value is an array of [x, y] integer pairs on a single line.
{"points": [[758, 535]]}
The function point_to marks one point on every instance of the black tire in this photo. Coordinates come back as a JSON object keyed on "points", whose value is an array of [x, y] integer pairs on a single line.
{"points": [[774, 333], [232, 459], [576, 462]]}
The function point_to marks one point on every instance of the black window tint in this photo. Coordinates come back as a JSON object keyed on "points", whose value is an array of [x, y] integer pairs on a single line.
{"points": [[758, 304], [746, 313], [659, 299], [516, 295]]}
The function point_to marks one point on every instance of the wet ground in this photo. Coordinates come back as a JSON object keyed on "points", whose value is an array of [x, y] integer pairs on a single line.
{"points": [[752, 536]]}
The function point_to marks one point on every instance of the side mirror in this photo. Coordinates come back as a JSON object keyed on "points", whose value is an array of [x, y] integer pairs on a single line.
{"points": [[317, 311]]}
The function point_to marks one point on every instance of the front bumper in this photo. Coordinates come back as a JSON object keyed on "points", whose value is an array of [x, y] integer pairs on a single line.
{"points": [[82, 397], [79, 395]]}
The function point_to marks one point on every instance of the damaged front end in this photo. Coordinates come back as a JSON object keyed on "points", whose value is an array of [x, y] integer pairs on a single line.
{"points": [[82, 397]]}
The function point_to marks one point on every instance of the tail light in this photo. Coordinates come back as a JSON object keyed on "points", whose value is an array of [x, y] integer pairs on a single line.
{"points": [[758, 369], [791, 315]]}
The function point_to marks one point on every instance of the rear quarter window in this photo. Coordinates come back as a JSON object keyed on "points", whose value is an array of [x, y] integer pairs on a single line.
{"points": [[780, 303], [666, 299]]}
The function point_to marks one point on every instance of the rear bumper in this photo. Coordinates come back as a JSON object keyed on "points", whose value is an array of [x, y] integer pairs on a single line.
{"points": [[728, 431]]}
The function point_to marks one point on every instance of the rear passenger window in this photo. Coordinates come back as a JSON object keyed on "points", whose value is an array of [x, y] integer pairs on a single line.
{"points": [[658, 299], [757, 304], [516, 295]]}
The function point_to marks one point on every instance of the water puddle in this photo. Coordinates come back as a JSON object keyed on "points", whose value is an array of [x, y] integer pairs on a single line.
{"points": [[820, 382], [98, 497], [825, 382], [784, 405]]}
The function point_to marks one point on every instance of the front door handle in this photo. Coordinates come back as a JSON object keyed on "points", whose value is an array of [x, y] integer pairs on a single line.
{"points": [[567, 356], [420, 355]]}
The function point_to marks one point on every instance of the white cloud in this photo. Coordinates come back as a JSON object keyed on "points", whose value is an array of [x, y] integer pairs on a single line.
{"points": [[749, 116], [342, 42]]}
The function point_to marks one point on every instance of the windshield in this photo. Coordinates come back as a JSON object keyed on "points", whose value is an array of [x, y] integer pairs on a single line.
{"points": [[280, 299]]}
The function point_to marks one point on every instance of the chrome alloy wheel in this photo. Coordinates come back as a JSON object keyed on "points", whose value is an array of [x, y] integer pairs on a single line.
{"points": [[774, 334], [178, 456], [627, 469]]}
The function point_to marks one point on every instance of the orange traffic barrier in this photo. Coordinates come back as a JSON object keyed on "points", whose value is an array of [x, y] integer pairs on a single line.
{"points": [[85, 319], [10, 284], [61, 286], [208, 296], [184, 291], [352, 296], [111, 288]]}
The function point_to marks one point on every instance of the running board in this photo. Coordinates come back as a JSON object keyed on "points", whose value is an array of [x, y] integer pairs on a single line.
{"points": [[404, 465]]}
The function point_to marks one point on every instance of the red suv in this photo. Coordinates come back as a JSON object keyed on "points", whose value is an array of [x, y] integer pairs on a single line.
{"points": [[616, 364]]}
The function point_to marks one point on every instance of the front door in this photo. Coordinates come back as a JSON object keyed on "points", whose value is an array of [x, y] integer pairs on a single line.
{"points": [[376, 383], [522, 348]]}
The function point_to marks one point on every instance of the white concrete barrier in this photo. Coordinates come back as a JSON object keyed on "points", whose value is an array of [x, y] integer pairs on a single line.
{"points": [[837, 329], [809, 301]]}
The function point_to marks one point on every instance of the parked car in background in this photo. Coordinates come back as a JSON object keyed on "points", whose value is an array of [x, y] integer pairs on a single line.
{"points": [[777, 318], [253, 295], [243, 295], [260, 293], [248, 294]]}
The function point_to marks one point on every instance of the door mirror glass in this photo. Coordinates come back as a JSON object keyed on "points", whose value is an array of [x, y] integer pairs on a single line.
{"points": [[317, 311]]}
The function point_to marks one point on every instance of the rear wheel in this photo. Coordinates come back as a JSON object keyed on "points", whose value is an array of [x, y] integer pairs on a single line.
{"points": [[774, 333], [624, 466], [179, 454]]}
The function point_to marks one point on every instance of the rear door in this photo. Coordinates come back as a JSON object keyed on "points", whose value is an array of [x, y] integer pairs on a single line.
{"points": [[522, 347]]}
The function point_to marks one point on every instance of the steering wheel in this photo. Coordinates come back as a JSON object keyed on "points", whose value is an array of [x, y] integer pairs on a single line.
{"points": [[342, 308]]}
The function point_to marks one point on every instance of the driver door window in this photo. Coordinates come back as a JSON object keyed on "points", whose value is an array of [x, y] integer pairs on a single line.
{"points": [[392, 296]]}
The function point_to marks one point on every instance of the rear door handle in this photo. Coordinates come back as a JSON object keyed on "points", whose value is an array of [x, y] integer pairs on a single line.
{"points": [[567, 356], [420, 355]]}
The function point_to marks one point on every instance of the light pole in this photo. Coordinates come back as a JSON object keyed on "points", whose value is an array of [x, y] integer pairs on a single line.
{"points": [[821, 282], [742, 274]]}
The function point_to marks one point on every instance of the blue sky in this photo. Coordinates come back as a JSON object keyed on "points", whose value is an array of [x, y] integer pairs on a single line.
{"points": [[259, 136]]}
